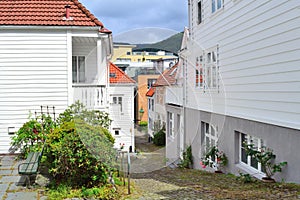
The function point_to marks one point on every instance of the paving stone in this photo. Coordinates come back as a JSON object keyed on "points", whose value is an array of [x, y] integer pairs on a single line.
{"points": [[22, 196], [16, 187], [3, 187], [2, 195], [5, 172], [10, 179]]}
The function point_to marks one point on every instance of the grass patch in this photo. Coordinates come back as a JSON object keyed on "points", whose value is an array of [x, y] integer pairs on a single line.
{"points": [[224, 186]]}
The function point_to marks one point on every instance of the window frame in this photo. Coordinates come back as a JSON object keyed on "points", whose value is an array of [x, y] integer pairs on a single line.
{"points": [[77, 71], [116, 101], [216, 5], [211, 66], [171, 124], [207, 135], [199, 12], [250, 162]]}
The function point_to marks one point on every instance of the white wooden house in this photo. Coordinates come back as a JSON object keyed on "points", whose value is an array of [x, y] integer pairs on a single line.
{"points": [[51, 53], [242, 81], [174, 108], [121, 109]]}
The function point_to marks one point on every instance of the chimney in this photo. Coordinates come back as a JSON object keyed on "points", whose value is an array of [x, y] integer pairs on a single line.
{"points": [[67, 16], [67, 11]]}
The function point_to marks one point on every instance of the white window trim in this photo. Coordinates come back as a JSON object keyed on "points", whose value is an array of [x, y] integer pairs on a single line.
{"points": [[217, 10], [77, 69], [247, 166], [209, 135], [118, 104], [171, 129], [208, 65]]}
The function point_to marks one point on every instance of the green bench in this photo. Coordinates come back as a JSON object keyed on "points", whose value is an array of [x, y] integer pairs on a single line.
{"points": [[30, 166]]}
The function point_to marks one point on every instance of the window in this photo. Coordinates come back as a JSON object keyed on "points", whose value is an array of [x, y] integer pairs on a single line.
{"points": [[211, 68], [152, 104], [150, 82], [78, 69], [209, 134], [199, 12], [128, 53], [216, 5], [118, 101], [116, 131], [244, 158], [170, 124], [199, 72]]}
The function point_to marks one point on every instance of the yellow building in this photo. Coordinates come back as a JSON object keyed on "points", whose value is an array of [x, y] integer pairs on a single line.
{"points": [[124, 53]]}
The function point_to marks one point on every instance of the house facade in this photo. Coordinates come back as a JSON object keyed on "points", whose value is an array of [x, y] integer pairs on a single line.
{"points": [[242, 82], [174, 107], [52, 53], [121, 109]]}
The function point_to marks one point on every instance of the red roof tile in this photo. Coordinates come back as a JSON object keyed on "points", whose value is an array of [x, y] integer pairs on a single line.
{"points": [[150, 92], [116, 75], [168, 77], [45, 13]]}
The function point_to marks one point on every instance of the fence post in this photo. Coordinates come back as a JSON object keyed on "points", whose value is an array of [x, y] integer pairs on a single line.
{"points": [[128, 171]]}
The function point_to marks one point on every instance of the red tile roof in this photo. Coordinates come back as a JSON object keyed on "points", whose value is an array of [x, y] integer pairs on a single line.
{"points": [[45, 13], [117, 76], [167, 78], [150, 92]]}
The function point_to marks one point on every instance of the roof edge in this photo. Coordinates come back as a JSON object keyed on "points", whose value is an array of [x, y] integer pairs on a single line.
{"points": [[88, 13]]}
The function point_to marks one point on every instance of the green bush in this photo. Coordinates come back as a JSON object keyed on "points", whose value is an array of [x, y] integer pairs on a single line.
{"points": [[78, 148], [31, 136], [160, 138], [143, 123], [187, 161]]}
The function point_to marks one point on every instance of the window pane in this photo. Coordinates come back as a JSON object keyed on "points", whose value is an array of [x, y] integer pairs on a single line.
{"points": [[114, 100], [244, 157], [213, 6], [81, 68], [199, 12], [74, 69], [214, 76], [212, 132], [219, 4], [254, 163]]}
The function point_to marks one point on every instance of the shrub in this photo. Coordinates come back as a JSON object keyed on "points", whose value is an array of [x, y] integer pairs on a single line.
{"points": [[160, 138], [31, 136], [143, 123], [187, 161], [79, 149]]}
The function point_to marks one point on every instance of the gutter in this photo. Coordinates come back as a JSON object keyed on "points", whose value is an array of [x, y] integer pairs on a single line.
{"points": [[30, 27]]}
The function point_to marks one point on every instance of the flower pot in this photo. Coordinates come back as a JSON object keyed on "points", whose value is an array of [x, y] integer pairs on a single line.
{"points": [[268, 180]]}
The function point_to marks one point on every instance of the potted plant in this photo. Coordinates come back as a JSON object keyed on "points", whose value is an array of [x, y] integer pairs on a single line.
{"points": [[215, 159], [266, 158]]}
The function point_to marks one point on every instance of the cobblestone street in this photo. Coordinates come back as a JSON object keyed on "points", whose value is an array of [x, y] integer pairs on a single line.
{"points": [[148, 167]]}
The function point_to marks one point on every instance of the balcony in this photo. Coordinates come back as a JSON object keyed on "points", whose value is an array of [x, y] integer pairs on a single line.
{"points": [[92, 96], [174, 95]]}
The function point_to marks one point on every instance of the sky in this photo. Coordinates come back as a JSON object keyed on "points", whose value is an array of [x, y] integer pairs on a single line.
{"points": [[140, 20]]}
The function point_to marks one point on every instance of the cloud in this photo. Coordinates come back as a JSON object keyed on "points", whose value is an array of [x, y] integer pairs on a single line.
{"points": [[125, 15]]}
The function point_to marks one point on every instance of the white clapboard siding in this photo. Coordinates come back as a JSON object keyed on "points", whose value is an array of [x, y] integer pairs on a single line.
{"points": [[259, 48], [33, 72], [125, 119]]}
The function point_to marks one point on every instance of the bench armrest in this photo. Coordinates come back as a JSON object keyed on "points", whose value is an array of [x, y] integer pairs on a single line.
{"points": [[28, 163]]}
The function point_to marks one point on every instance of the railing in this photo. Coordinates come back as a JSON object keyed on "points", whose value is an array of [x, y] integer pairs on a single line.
{"points": [[92, 96]]}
